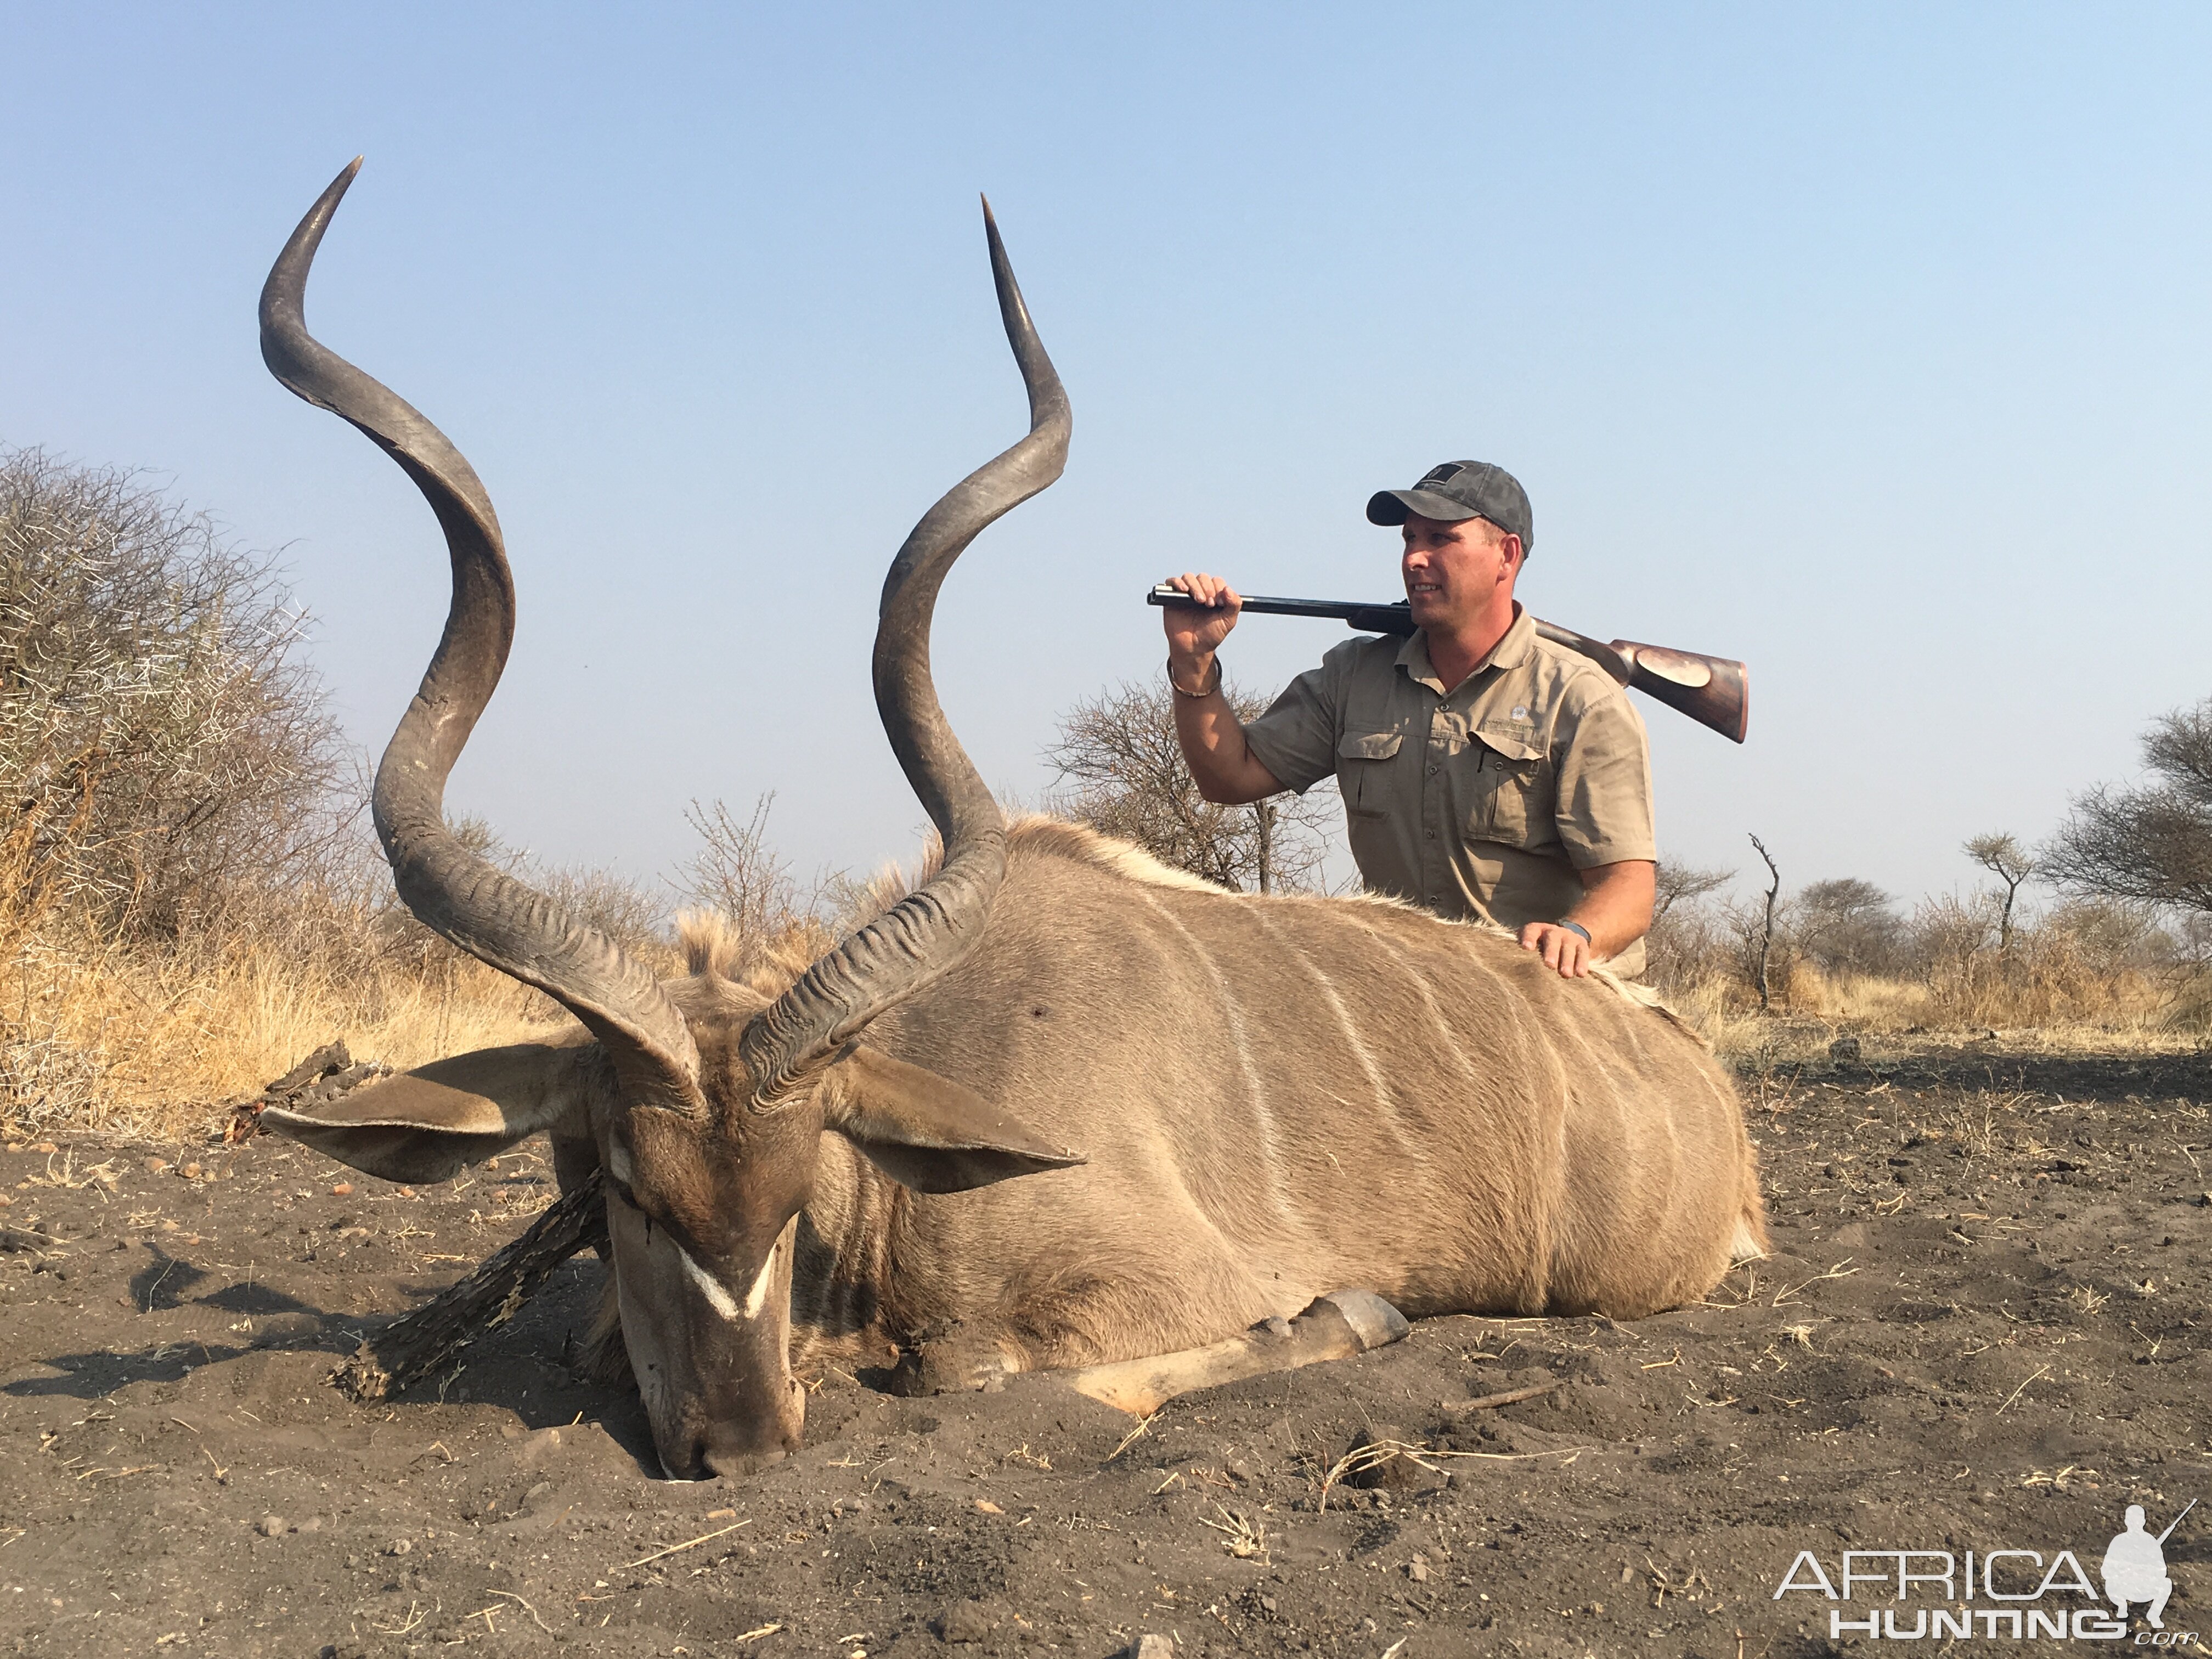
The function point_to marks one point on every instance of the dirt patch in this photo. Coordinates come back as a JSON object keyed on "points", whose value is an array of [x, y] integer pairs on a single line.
{"points": [[1984, 1327]]}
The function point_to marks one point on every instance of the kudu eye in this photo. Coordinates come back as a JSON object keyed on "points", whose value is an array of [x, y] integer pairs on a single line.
{"points": [[622, 1190]]}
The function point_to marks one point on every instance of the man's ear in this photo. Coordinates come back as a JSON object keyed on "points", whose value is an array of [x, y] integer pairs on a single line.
{"points": [[926, 1132], [431, 1123]]}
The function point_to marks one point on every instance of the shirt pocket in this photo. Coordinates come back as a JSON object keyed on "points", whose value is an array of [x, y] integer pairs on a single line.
{"points": [[1505, 790], [1362, 759]]}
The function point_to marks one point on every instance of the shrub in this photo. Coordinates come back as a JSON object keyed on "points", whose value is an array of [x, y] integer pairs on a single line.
{"points": [[162, 743]]}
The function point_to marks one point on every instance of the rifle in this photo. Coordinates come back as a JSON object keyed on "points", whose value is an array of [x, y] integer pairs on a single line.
{"points": [[1713, 691], [2176, 1522]]}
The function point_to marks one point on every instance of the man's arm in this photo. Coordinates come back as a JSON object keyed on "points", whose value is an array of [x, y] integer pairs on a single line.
{"points": [[1604, 778], [1221, 762], [1615, 910]]}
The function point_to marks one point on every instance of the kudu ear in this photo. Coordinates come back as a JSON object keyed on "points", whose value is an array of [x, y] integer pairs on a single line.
{"points": [[926, 1132], [429, 1124]]}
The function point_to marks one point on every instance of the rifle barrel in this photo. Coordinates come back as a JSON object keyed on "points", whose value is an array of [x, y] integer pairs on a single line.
{"points": [[1715, 692], [2176, 1522], [1270, 605]]}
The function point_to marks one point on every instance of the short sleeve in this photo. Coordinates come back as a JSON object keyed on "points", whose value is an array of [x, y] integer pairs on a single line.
{"points": [[1603, 764], [1296, 738]]}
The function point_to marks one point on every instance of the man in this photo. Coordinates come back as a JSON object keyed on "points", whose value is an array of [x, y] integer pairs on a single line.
{"points": [[1486, 773], [2135, 1570]]}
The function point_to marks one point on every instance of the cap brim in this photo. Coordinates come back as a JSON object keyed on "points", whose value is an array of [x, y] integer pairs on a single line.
{"points": [[1392, 506]]}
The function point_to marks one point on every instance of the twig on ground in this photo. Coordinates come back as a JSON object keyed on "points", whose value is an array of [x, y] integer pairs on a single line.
{"points": [[1492, 1402], [527, 1608], [1375, 1453], [1130, 1438], [1240, 1537], [2038, 1371], [415, 1616], [689, 1543], [1841, 1270]]}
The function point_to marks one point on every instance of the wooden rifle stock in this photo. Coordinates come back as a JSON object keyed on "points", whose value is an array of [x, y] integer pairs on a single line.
{"points": [[1713, 691]]}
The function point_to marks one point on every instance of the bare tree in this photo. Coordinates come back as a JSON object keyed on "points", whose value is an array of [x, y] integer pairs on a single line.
{"points": [[736, 870], [2003, 857], [163, 745], [1766, 929], [632, 912], [1118, 754], [2151, 844], [1684, 883]]}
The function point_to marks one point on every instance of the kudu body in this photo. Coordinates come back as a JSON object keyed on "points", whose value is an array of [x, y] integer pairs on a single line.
{"points": [[1217, 1105], [1276, 1098]]}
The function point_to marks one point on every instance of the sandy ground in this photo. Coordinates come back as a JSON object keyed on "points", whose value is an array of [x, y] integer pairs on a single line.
{"points": [[1984, 1326]]}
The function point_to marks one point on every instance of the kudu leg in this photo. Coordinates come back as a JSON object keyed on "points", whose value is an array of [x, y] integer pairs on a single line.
{"points": [[1333, 1327]]}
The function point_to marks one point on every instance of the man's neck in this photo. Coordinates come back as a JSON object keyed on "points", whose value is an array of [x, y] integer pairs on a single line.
{"points": [[1456, 655]]}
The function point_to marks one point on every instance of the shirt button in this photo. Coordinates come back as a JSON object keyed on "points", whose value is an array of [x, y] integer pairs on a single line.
{"points": [[1433, 770], [1432, 835]]}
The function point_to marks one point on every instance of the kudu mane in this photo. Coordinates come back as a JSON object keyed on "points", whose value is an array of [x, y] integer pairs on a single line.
{"points": [[714, 943]]}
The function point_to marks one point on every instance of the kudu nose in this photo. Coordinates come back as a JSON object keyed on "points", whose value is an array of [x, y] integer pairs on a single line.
{"points": [[713, 1459], [743, 1448]]}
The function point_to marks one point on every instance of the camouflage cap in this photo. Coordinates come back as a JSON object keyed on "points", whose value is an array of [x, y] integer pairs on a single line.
{"points": [[1461, 489]]}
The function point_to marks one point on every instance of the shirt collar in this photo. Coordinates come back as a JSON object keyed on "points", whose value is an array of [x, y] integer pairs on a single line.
{"points": [[1511, 651]]}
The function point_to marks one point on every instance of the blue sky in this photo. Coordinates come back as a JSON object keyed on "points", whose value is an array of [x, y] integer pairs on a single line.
{"points": [[1870, 344]]}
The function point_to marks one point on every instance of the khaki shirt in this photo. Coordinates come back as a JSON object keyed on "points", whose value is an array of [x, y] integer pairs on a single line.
{"points": [[1483, 802]]}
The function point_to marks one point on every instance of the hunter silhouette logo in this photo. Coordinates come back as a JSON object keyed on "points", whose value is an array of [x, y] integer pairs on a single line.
{"points": [[2010, 1594], [2135, 1566]]}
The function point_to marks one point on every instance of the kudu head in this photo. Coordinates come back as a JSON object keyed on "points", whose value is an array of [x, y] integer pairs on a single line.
{"points": [[705, 1103]]}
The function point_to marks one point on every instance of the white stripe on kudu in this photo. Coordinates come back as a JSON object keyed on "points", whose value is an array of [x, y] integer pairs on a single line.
{"points": [[1360, 1051], [758, 1295], [1263, 1117], [710, 1287]]}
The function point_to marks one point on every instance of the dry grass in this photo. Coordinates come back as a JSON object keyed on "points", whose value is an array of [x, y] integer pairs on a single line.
{"points": [[1772, 1045], [153, 1043], [156, 1039], [2083, 979]]}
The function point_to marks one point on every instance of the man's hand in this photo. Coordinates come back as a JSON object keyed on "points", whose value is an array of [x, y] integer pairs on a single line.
{"points": [[1212, 738], [1194, 634], [1616, 908], [1564, 950]]}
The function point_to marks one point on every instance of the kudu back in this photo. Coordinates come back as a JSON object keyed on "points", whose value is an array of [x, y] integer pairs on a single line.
{"points": [[1058, 1105]]}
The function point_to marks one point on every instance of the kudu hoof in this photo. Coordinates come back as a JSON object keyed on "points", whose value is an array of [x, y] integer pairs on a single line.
{"points": [[951, 1366]]}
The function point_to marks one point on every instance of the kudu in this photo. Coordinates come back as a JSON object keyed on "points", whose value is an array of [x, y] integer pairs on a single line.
{"points": [[1271, 1097]]}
